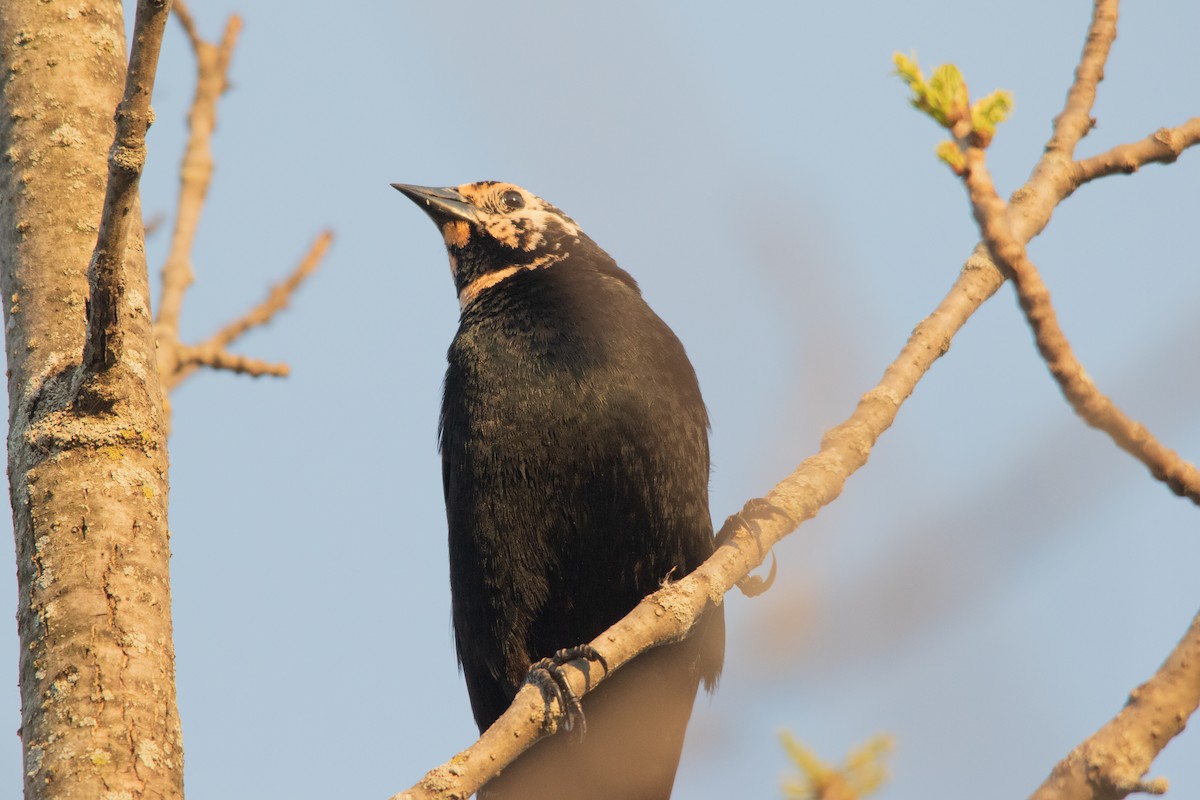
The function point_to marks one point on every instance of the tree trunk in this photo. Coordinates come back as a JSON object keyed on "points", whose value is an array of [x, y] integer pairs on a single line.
{"points": [[87, 456]]}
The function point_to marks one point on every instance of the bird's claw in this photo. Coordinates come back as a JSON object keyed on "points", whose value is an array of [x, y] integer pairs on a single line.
{"points": [[755, 511], [753, 586], [548, 675]]}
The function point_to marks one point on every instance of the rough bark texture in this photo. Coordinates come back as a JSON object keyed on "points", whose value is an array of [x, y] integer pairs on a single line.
{"points": [[87, 458]]}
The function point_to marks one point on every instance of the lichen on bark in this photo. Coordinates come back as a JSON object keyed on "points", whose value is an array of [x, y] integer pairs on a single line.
{"points": [[87, 457]]}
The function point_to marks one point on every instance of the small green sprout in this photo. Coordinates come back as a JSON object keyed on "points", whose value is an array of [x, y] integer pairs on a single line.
{"points": [[989, 112], [952, 154], [944, 98]]}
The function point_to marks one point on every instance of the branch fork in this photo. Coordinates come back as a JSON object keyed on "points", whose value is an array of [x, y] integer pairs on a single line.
{"points": [[177, 360]]}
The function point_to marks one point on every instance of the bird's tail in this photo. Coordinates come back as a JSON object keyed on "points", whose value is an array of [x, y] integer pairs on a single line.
{"points": [[635, 727]]}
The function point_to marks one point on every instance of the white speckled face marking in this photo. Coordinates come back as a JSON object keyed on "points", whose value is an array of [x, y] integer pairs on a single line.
{"points": [[516, 218], [495, 230]]}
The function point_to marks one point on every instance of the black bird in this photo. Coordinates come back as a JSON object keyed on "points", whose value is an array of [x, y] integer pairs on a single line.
{"points": [[575, 466]]}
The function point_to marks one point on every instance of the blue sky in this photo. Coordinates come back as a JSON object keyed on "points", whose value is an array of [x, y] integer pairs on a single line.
{"points": [[987, 589]]}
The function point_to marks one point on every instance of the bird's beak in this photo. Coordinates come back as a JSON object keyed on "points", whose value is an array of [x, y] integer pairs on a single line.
{"points": [[442, 205]]}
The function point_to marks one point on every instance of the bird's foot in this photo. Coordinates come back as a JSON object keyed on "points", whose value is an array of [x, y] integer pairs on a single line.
{"points": [[755, 511], [549, 677]]}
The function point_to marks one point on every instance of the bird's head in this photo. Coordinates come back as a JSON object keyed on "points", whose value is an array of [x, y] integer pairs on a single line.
{"points": [[494, 230]]}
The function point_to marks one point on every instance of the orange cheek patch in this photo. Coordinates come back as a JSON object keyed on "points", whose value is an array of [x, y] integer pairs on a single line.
{"points": [[456, 233]]}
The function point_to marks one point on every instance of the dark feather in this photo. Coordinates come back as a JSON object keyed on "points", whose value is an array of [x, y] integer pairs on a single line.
{"points": [[575, 464]]}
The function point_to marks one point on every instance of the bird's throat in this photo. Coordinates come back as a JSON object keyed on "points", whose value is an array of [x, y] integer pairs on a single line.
{"points": [[472, 290]]}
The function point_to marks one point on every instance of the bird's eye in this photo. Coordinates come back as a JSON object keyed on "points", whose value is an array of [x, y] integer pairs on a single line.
{"points": [[512, 200]]}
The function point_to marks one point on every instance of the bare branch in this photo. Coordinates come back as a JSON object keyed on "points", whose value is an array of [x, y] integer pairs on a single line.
{"points": [[209, 356], [1076, 121], [1053, 179], [151, 226], [1089, 402], [212, 66], [181, 12], [264, 312], [1111, 763], [102, 348], [176, 361], [279, 296], [1161, 147]]}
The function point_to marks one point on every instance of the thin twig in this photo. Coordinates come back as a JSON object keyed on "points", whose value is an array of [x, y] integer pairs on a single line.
{"points": [[176, 360], [212, 66], [1076, 121], [181, 12], [1089, 402], [264, 312], [279, 295], [1111, 763], [106, 279], [1049, 179], [152, 225], [208, 356], [1161, 147]]}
